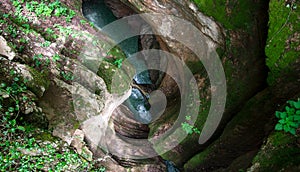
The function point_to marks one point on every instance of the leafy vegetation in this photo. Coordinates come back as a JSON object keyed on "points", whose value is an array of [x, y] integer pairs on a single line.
{"points": [[37, 59], [19, 150], [33, 155], [67, 31], [83, 21], [188, 128], [116, 57], [56, 57], [11, 93], [289, 120], [118, 62], [46, 44], [68, 76], [45, 8]]}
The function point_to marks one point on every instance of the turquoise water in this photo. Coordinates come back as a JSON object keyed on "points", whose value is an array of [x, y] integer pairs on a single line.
{"points": [[98, 13], [139, 105]]}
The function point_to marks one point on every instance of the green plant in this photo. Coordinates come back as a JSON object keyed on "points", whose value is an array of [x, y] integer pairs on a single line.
{"points": [[3, 21], [30, 155], [188, 128], [26, 28], [68, 76], [70, 15], [20, 49], [118, 62], [60, 11], [45, 9], [6, 15], [19, 150], [92, 24], [29, 6], [11, 97], [101, 169], [83, 21], [289, 120], [46, 44], [49, 31], [37, 59], [56, 57], [12, 31], [23, 40], [66, 31]]}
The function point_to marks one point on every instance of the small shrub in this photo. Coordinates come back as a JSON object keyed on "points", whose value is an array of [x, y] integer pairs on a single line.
{"points": [[289, 120]]}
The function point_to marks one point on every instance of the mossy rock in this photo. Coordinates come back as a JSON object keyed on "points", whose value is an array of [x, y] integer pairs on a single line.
{"points": [[283, 44], [116, 80], [39, 83], [232, 14], [193, 162], [45, 136], [281, 152], [239, 134]]}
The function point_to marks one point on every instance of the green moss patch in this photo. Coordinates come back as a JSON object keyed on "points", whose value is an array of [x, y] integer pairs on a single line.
{"points": [[40, 79], [196, 160], [116, 80], [283, 44], [232, 14], [280, 152]]}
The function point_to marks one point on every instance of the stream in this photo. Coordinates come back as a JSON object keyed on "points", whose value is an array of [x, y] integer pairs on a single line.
{"points": [[101, 15], [98, 13]]}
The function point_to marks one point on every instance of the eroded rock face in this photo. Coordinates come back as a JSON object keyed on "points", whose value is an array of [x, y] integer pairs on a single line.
{"points": [[79, 144], [245, 70], [62, 77], [30, 111], [5, 50], [86, 103], [119, 9], [126, 125]]}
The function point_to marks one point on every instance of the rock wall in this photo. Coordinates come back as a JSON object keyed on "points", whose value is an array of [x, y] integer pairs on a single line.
{"points": [[60, 55], [233, 39], [73, 92]]}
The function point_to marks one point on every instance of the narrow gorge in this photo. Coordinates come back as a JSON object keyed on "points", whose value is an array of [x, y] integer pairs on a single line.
{"points": [[162, 85]]}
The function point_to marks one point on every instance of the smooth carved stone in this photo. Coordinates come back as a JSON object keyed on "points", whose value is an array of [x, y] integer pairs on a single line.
{"points": [[126, 125], [148, 41]]}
